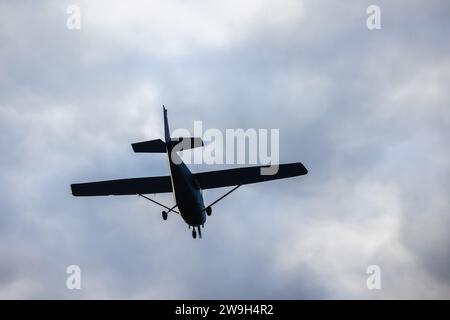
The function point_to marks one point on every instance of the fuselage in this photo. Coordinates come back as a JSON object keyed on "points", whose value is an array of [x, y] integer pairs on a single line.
{"points": [[187, 193]]}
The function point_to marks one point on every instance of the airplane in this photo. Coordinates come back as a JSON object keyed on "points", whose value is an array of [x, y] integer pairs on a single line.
{"points": [[187, 187]]}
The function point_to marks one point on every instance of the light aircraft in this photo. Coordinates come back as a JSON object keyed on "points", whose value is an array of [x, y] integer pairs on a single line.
{"points": [[186, 186]]}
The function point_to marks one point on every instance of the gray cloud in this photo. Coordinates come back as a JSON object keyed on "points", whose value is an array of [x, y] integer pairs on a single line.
{"points": [[365, 111]]}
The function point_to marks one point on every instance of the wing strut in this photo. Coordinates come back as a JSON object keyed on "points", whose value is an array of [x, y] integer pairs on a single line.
{"points": [[160, 204], [223, 196]]}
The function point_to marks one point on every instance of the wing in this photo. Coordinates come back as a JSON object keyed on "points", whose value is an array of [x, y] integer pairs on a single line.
{"points": [[123, 187], [233, 177]]}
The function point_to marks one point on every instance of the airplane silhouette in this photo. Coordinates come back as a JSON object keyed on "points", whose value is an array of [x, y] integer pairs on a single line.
{"points": [[186, 186]]}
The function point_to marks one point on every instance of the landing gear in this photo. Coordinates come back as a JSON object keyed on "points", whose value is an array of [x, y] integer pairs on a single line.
{"points": [[164, 215], [194, 232], [208, 208]]}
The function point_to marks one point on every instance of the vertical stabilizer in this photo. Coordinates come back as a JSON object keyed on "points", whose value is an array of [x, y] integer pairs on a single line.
{"points": [[166, 126]]}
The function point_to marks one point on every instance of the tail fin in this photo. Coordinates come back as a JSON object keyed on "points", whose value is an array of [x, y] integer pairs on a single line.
{"points": [[166, 126], [159, 146]]}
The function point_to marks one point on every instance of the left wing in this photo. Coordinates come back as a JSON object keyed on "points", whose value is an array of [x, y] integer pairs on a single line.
{"points": [[123, 187], [246, 175]]}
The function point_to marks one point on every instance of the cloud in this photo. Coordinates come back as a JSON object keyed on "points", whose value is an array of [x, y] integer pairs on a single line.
{"points": [[174, 28], [365, 111]]}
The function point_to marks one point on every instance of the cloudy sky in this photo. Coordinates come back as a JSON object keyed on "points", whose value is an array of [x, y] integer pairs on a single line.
{"points": [[367, 112]]}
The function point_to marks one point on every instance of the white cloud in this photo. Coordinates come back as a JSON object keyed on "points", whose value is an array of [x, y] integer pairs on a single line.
{"points": [[178, 27]]}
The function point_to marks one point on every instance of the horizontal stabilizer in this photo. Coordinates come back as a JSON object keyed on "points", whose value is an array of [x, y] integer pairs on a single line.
{"points": [[152, 146], [186, 143]]}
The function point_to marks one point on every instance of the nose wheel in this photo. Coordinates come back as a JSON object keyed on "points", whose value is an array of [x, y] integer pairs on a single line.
{"points": [[164, 215]]}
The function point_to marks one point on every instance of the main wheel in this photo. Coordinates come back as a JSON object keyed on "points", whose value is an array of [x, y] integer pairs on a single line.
{"points": [[194, 234], [208, 211], [164, 215]]}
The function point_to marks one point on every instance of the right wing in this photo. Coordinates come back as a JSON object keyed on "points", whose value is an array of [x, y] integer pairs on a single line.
{"points": [[123, 187], [246, 175]]}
